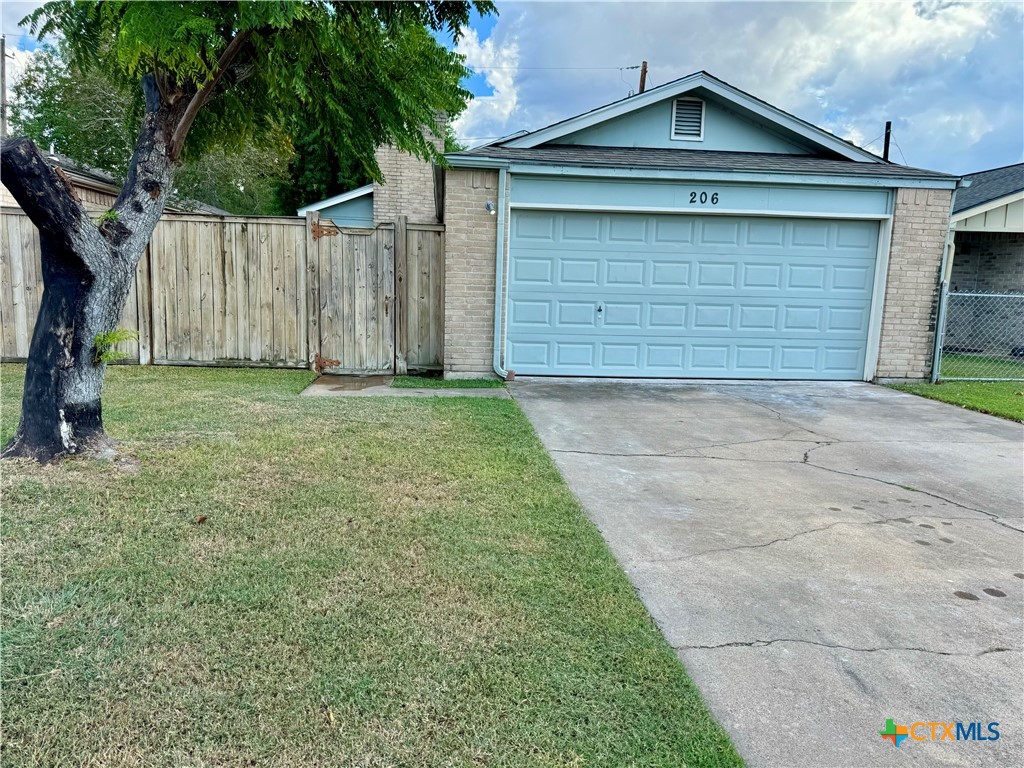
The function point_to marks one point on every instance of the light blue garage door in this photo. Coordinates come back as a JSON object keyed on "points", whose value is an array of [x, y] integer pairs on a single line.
{"points": [[594, 294]]}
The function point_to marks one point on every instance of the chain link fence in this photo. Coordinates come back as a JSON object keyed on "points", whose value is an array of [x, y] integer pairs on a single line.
{"points": [[983, 338]]}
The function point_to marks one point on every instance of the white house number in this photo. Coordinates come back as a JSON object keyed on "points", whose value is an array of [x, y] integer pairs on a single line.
{"points": [[703, 198]]}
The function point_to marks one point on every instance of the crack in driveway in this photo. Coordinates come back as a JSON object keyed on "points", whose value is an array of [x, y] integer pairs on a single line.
{"points": [[881, 649], [798, 534], [696, 452]]}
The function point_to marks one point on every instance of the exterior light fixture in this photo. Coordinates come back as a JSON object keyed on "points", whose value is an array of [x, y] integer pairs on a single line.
{"points": [[490, 207]]}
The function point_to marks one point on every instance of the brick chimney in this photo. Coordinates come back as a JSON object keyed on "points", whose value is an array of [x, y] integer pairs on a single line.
{"points": [[409, 183]]}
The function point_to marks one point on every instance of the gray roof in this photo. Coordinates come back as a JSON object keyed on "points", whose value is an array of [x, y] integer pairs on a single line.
{"points": [[987, 186], [697, 160]]}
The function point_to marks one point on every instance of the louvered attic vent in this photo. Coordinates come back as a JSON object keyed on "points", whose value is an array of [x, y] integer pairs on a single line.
{"points": [[688, 119]]}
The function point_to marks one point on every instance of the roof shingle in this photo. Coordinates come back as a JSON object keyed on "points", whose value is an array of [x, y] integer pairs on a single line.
{"points": [[989, 185]]}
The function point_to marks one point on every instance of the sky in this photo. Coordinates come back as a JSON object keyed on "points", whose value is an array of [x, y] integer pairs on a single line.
{"points": [[949, 74]]}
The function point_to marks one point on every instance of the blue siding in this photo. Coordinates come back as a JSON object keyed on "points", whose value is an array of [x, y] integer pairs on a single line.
{"points": [[724, 130], [357, 212], [752, 198], [614, 294]]}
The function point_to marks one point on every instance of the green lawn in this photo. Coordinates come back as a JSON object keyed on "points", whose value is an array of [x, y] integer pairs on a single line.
{"points": [[377, 582], [1000, 398], [961, 366], [435, 382]]}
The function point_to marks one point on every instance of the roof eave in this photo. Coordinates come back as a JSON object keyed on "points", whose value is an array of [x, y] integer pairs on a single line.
{"points": [[336, 200], [544, 167]]}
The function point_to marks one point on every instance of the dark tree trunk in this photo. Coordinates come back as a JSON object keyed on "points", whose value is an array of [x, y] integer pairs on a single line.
{"points": [[87, 272]]}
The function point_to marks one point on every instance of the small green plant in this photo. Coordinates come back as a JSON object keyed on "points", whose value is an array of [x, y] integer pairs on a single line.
{"points": [[110, 215], [104, 345]]}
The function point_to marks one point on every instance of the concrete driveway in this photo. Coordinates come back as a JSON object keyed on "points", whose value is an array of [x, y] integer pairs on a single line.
{"points": [[823, 557]]}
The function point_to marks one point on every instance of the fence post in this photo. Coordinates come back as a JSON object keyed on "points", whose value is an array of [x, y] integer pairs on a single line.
{"points": [[401, 251], [312, 254], [940, 330]]}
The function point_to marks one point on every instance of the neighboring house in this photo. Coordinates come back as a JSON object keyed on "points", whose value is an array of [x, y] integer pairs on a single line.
{"points": [[987, 265], [97, 190], [689, 231], [988, 227]]}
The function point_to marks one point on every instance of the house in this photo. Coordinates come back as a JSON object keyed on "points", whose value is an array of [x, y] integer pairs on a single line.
{"points": [[988, 227], [689, 231], [97, 190], [983, 316]]}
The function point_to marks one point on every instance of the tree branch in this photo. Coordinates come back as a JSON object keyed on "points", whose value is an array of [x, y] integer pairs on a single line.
{"points": [[204, 94], [43, 195]]}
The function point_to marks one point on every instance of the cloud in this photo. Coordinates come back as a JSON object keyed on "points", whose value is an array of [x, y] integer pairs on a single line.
{"points": [[949, 75], [499, 65]]}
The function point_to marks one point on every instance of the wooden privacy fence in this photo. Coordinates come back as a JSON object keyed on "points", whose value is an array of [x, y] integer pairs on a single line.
{"points": [[260, 291]]}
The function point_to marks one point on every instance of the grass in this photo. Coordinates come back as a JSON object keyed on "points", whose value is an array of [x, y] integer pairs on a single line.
{"points": [[433, 382], [288, 581], [999, 398], [961, 366]]}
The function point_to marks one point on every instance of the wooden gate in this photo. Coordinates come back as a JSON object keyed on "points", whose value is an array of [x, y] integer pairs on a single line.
{"points": [[355, 292]]}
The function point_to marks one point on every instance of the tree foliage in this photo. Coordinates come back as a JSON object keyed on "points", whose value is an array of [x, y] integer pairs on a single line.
{"points": [[366, 74], [91, 115]]}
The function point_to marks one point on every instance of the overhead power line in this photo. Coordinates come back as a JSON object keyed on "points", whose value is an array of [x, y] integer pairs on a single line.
{"points": [[474, 66]]}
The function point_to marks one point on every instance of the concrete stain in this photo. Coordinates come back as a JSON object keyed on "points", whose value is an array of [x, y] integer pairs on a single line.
{"points": [[994, 592], [966, 595]]}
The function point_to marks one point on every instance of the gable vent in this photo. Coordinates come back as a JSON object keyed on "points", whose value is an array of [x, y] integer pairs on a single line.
{"points": [[688, 119]]}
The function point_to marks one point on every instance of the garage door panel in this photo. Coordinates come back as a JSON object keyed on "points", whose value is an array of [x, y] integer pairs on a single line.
{"points": [[662, 295], [754, 275], [702, 357], [538, 314]]}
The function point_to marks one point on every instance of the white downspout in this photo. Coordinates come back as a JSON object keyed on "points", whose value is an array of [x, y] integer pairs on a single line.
{"points": [[499, 279]]}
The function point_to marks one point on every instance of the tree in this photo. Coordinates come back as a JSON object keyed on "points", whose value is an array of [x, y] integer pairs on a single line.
{"points": [[211, 74], [319, 168], [91, 114]]}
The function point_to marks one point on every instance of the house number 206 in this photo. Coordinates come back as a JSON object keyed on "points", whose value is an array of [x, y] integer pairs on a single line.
{"points": [[703, 198]]}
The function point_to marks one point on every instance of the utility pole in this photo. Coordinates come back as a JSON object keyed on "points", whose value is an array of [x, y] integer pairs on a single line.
{"points": [[3, 86], [643, 76], [888, 136]]}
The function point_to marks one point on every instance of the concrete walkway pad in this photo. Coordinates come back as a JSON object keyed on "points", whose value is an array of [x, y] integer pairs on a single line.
{"points": [[329, 385], [823, 557]]}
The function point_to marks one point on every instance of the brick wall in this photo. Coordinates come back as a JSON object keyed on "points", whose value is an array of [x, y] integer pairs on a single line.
{"points": [[919, 228], [470, 237], [408, 187], [988, 262]]}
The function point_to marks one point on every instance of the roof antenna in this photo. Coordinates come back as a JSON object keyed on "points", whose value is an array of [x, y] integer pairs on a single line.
{"points": [[888, 137]]}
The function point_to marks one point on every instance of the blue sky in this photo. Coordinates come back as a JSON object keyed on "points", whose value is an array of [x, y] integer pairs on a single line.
{"points": [[950, 75]]}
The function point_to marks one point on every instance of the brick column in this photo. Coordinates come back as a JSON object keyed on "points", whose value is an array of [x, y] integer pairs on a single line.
{"points": [[470, 240], [920, 223]]}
